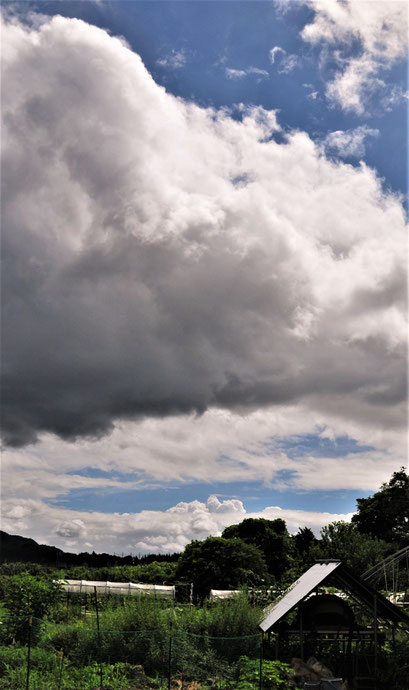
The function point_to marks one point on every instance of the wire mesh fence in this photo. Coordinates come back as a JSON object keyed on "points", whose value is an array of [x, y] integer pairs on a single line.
{"points": [[38, 655]]}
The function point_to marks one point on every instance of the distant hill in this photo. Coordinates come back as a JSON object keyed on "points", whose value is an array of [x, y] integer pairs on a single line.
{"points": [[14, 548]]}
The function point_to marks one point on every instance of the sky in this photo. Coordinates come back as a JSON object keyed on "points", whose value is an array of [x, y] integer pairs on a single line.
{"points": [[204, 250]]}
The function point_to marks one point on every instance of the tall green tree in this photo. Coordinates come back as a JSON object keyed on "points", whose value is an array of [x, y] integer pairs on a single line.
{"points": [[270, 536], [385, 515], [344, 541], [218, 563], [304, 544]]}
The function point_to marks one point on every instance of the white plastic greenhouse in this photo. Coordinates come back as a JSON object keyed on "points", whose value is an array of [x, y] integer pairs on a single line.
{"points": [[88, 587]]}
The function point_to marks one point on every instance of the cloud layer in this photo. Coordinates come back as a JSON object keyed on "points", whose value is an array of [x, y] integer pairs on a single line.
{"points": [[163, 258], [149, 531]]}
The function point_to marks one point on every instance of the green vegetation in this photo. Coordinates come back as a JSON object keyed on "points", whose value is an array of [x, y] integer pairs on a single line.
{"points": [[385, 515], [270, 537], [343, 540], [142, 639], [24, 596], [208, 643], [221, 564]]}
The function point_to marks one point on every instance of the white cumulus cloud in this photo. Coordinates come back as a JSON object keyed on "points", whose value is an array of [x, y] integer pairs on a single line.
{"points": [[180, 290]]}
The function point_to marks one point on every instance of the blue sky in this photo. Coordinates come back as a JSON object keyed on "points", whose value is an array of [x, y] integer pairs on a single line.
{"points": [[207, 289]]}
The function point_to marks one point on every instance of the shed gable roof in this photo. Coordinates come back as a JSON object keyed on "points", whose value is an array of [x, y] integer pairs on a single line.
{"points": [[340, 576]]}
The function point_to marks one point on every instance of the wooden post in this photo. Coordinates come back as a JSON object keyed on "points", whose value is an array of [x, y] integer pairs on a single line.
{"points": [[260, 679]]}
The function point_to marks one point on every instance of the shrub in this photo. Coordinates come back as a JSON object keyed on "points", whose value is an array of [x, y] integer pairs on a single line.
{"points": [[25, 596]]}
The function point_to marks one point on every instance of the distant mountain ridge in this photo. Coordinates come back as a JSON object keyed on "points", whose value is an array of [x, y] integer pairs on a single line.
{"points": [[14, 548]]}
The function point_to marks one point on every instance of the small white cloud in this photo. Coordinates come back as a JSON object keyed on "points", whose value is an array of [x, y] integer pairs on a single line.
{"points": [[71, 529], [175, 60], [256, 70], [393, 97], [312, 95], [273, 53], [235, 73], [240, 73], [288, 64], [351, 87], [350, 142], [17, 513]]}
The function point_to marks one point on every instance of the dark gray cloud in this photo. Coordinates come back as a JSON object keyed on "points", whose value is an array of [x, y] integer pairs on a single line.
{"points": [[140, 280]]}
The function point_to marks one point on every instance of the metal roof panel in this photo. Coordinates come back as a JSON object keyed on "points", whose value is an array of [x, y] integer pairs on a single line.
{"points": [[297, 592]]}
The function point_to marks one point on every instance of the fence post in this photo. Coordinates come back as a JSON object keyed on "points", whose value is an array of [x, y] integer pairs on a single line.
{"points": [[260, 678], [99, 638], [30, 623], [170, 655]]}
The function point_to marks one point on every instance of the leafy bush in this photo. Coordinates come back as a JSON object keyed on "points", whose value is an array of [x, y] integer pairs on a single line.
{"points": [[25, 596], [276, 675], [246, 675], [231, 618]]}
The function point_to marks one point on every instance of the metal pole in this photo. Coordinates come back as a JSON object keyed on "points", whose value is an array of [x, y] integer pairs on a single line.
{"points": [[30, 623], [375, 638], [99, 637], [170, 655], [260, 680]]}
